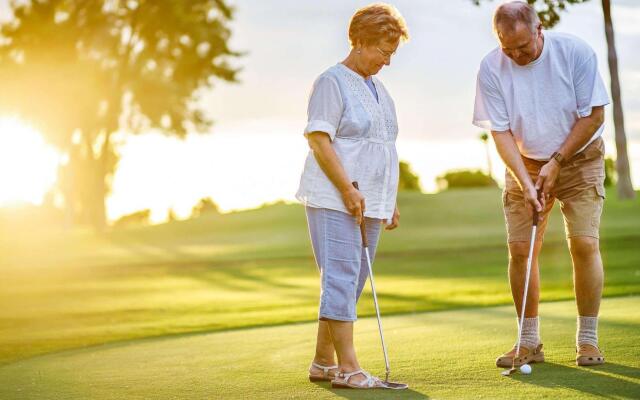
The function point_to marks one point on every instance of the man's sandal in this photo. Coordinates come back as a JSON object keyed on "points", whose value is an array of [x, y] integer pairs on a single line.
{"points": [[370, 382], [527, 356], [328, 373], [587, 354]]}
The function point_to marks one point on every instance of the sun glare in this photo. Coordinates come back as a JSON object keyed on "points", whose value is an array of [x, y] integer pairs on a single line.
{"points": [[27, 163]]}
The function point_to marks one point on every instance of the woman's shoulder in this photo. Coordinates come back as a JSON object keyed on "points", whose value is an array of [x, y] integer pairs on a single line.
{"points": [[329, 77]]}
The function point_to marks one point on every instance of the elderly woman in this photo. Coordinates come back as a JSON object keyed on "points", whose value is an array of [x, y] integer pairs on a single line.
{"points": [[351, 131]]}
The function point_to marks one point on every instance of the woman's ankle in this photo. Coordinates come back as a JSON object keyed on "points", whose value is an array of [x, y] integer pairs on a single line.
{"points": [[349, 367], [324, 361]]}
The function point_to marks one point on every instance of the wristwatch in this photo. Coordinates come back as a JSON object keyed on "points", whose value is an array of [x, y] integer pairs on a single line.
{"points": [[559, 158]]}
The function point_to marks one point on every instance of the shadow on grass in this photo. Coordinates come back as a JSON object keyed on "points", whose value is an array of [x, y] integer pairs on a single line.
{"points": [[596, 380], [372, 394]]}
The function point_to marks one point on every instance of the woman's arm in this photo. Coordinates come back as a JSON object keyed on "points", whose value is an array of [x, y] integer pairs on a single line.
{"points": [[327, 158]]}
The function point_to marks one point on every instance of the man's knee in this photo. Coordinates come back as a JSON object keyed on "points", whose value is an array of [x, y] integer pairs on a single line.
{"points": [[584, 246], [518, 253]]}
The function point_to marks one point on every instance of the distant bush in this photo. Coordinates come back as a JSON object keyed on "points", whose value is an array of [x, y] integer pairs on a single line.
{"points": [[464, 179], [204, 206], [409, 181], [134, 219], [609, 171], [171, 215]]}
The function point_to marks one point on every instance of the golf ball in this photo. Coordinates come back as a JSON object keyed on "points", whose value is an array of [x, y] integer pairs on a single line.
{"points": [[525, 369]]}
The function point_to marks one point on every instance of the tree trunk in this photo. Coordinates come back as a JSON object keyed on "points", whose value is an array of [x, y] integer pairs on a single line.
{"points": [[625, 187]]}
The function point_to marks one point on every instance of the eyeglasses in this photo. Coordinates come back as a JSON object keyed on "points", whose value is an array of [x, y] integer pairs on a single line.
{"points": [[386, 54]]}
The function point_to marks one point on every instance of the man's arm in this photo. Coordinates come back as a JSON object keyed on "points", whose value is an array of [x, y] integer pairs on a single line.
{"points": [[508, 150], [582, 131]]}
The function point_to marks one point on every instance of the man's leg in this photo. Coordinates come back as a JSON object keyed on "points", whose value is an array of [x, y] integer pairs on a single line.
{"points": [[519, 230], [582, 213], [588, 274], [588, 277], [518, 257]]}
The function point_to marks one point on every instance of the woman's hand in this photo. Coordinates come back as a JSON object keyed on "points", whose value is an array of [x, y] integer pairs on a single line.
{"points": [[354, 202], [395, 221]]}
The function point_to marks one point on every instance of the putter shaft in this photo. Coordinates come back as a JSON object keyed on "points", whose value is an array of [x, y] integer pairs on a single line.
{"points": [[375, 302]]}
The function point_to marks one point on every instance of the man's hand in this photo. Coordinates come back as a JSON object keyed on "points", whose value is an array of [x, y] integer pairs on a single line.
{"points": [[547, 178], [395, 221], [532, 201], [354, 202]]}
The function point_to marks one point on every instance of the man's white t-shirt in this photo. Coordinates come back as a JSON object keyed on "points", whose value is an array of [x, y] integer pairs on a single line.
{"points": [[541, 101]]}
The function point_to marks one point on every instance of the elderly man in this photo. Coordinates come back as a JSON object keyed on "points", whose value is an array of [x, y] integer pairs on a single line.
{"points": [[543, 99]]}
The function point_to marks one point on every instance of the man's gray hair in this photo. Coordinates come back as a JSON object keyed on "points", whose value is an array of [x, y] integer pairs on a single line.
{"points": [[508, 15]]}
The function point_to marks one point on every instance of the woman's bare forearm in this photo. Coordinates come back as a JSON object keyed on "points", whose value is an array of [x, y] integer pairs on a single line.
{"points": [[329, 162]]}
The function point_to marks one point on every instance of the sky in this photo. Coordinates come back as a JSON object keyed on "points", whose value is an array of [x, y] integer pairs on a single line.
{"points": [[255, 151]]}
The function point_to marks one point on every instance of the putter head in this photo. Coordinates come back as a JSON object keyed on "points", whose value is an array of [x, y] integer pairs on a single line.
{"points": [[394, 385], [510, 371]]}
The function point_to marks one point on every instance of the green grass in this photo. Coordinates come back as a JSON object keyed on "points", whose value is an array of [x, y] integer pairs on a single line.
{"points": [[444, 355], [68, 290]]}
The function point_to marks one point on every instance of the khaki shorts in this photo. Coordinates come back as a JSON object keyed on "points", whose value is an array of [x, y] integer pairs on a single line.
{"points": [[579, 189]]}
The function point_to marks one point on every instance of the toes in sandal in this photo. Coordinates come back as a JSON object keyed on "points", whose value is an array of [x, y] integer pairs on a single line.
{"points": [[328, 373], [587, 355], [370, 382]]}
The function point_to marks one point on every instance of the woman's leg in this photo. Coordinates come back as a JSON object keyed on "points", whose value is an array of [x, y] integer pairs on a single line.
{"points": [[342, 334], [337, 247], [324, 347]]}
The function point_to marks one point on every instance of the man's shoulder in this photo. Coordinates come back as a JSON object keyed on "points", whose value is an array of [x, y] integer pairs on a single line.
{"points": [[492, 60], [570, 45]]}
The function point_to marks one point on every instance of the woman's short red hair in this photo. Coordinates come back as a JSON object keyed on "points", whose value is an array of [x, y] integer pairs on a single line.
{"points": [[377, 22]]}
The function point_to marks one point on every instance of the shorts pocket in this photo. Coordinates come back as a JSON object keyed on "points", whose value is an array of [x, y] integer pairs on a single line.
{"points": [[599, 203]]}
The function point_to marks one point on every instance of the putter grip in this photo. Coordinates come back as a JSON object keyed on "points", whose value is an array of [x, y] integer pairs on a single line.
{"points": [[535, 212], [363, 230]]}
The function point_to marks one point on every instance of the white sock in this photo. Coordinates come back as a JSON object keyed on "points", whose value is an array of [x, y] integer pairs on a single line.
{"points": [[530, 333], [587, 332]]}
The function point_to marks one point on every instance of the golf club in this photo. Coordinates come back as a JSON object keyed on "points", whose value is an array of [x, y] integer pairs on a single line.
{"points": [[534, 229], [365, 245]]}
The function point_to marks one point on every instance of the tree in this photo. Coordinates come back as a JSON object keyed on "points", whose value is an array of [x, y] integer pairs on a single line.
{"points": [[548, 11], [464, 178], [138, 218], [83, 71], [204, 206], [484, 137], [408, 181], [624, 185]]}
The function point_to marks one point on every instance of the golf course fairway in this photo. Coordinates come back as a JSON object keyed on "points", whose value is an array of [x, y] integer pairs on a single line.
{"points": [[444, 355]]}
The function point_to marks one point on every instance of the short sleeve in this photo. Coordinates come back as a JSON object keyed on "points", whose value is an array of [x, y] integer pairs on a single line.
{"points": [[589, 87], [490, 111], [325, 107]]}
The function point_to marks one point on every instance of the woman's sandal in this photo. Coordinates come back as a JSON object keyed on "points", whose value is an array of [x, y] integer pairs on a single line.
{"points": [[326, 376], [371, 382]]}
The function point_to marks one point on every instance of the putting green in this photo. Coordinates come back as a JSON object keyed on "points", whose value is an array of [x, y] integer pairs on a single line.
{"points": [[445, 354]]}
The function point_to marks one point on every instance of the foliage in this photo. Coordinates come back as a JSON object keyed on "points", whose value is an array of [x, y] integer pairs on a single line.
{"points": [[409, 180], [464, 179], [81, 71], [609, 172], [134, 219], [204, 206]]}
